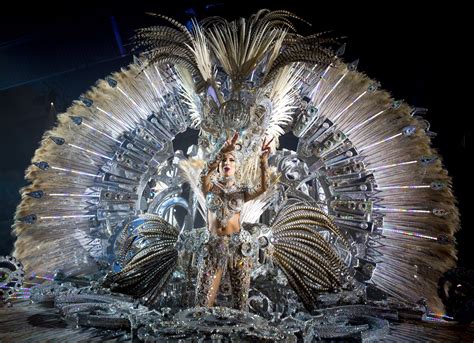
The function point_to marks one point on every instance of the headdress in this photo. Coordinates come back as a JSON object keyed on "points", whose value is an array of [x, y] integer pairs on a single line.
{"points": [[238, 76]]}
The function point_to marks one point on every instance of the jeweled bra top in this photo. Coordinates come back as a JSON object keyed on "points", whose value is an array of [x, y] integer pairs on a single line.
{"points": [[225, 201]]}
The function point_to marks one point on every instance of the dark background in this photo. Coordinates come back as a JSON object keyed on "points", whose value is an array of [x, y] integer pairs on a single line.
{"points": [[50, 55]]}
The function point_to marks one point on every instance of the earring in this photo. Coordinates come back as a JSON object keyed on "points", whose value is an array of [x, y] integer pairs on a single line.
{"points": [[237, 175]]}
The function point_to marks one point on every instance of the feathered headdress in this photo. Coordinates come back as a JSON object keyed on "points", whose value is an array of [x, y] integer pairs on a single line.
{"points": [[239, 75]]}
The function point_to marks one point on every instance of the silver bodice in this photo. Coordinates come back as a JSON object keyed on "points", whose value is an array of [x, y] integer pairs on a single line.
{"points": [[224, 201]]}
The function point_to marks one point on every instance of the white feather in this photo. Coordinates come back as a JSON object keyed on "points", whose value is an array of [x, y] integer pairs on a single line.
{"points": [[282, 96]]}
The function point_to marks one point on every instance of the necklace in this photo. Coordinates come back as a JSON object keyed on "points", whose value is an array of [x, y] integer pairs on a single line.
{"points": [[227, 181]]}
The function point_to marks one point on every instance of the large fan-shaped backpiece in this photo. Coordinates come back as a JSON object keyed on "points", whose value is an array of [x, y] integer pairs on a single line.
{"points": [[383, 179]]}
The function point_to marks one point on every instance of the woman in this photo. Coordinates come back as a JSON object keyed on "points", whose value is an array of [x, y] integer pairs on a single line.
{"points": [[224, 200]]}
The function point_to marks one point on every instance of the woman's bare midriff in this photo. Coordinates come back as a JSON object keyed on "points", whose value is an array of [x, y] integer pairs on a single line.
{"points": [[215, 227]]}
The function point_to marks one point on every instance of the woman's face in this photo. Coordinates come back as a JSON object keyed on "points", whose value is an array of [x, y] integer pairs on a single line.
{"points": [[227, 166]]}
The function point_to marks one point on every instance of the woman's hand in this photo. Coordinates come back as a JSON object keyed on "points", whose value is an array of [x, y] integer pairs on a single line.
{"points": [[229, 144]]}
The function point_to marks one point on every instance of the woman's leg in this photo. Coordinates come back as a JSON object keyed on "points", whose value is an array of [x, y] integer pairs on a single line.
{"points": [[212, 293], [240, 281], [210, 272]]}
